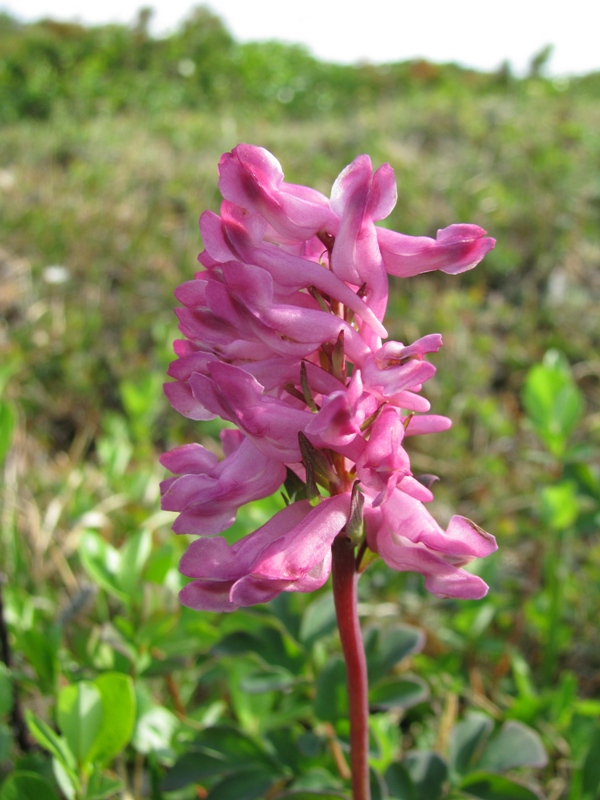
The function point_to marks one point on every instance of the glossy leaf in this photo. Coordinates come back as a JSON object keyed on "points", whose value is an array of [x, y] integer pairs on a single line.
{"points": [[118, 715], [79, 713]]}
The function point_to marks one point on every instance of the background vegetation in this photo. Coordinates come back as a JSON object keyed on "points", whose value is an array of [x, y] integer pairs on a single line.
{"points": [[108, 152]]}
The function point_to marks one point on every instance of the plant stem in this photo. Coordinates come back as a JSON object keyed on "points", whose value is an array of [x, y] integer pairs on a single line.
{"points": [[345, 581]]}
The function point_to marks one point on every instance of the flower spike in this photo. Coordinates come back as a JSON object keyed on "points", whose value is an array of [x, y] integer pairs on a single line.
{"points": [[283, 338]]}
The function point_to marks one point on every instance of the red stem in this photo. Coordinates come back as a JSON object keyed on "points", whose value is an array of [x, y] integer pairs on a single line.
{"points": [[345, 581]]}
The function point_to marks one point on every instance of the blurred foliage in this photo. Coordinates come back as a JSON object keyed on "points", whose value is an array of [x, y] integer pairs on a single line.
{"points": [[110, 140], [49, 68]]}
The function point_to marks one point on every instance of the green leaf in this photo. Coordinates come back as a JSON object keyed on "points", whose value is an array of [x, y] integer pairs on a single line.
{"points": [[79, 714], [559, 505], [114, 447], [195, 766], [468, 740], [36, 761], [154, 730], [377, 785], [220, 750], [102, 562], [315, 779], [49, 740], [331, 699], [117, 696], [552, 401], [251, 710], [7, 423], [318, 619], [160, 562], [141, 400], [41, 650], [232, 743], [102, 786], [487, 786], [67, 779], [310, 744], [27, 786], [303, 794], [403, 692], [428, 772], [271, 645], [133, 557], [399, 783], [238, 643], [590, 770], [390, 646], [247, 784], [154, 776], [6, 742], [6, 690], [515, 745], [273, 680]]}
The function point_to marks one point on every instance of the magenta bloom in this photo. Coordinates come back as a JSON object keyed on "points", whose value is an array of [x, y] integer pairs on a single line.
{"points": [[284, 338]]}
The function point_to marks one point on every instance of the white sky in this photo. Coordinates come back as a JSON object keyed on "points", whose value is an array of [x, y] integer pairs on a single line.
{"points": [[472, 32]]}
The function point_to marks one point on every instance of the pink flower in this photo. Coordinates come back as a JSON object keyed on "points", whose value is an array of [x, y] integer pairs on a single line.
{"points": [[408, 538], [284, 337], [384, 463], [291, 553], [209, 492], [455, 249], [252, 178]]}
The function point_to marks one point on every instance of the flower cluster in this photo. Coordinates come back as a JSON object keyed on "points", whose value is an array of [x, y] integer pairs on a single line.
{"points": [[284, 338]]}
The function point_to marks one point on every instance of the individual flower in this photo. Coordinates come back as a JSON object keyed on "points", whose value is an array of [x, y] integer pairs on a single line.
{"points": [[209, 492], [291, 552], [407, 537]]}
